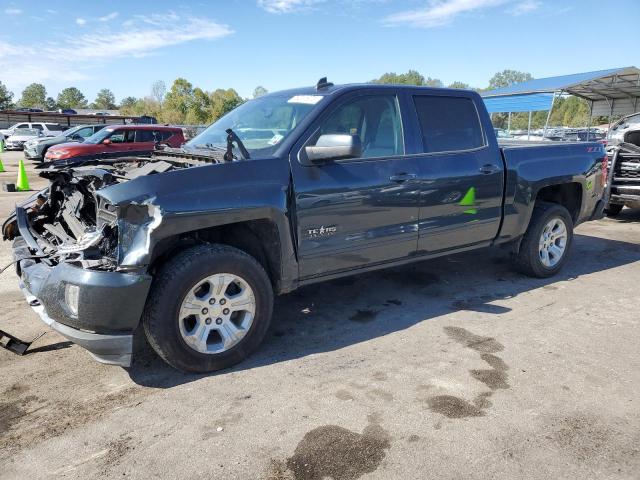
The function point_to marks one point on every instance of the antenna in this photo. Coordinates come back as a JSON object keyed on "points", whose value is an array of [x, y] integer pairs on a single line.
{"points": [[323, 83]]}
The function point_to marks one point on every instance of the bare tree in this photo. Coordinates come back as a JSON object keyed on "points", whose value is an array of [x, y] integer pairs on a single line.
{"points": [[158, 91]]}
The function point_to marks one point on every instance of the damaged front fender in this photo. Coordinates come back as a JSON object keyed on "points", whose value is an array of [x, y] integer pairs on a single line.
{"points": [[136, 223]]}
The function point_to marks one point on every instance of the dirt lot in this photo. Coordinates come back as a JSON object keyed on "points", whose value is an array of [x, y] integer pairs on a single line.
{"points": [[454, 368]]}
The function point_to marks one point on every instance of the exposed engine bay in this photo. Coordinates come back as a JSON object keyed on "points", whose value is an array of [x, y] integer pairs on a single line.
{"points": [[70, 221]]}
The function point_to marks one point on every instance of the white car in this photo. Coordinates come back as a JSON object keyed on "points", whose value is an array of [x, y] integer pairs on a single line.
{"points": [[21, 135], [47, 129]]}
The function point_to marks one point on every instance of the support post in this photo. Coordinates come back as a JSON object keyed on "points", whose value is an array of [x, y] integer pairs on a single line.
{"points": [[509, 124], [610, 113], [529, 128], [590, 118], [546, 124]]}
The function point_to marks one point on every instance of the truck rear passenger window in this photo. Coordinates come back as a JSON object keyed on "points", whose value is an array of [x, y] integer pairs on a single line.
{"points": [[448, 123]]}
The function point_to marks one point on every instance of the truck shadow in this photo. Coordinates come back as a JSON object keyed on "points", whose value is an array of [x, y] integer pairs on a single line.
{"points": [[627, 215], [335, 314]]}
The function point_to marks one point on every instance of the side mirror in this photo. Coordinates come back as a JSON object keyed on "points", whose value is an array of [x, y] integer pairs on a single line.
{"points": [[106, 141], [334, 147]]}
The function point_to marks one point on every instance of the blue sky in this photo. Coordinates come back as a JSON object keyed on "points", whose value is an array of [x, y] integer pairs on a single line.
{"points": [[126, 46]]}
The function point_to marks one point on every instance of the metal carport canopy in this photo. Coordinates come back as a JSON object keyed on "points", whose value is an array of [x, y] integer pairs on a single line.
{"points": [[612, 92]]}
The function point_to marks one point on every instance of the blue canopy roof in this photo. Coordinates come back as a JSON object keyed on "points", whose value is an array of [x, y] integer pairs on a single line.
{"points": [[613, 91], [532, 102], [551, 84]]}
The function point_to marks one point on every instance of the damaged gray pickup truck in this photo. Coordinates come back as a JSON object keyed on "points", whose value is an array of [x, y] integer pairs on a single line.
{"points": [[289, 189]]}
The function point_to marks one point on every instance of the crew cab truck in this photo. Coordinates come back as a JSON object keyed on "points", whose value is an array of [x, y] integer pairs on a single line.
{"points": [[289, 189]]}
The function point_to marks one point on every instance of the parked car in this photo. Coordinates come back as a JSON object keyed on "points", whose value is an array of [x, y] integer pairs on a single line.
{"points": [[25, 109], [67, 111], [117, 141], [193, 242], [17, 140], [500, 133], [101, 114], [47, 129], [626, 130], [36, 148]]}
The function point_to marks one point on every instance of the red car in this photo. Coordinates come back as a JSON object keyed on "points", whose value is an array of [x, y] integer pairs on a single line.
{"points": [[118, 141]]}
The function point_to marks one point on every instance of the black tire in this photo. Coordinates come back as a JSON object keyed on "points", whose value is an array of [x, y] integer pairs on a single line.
{"points": [[528, 258], [613, 209], [174, 280]]}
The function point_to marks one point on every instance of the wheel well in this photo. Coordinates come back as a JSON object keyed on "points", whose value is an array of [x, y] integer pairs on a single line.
{"points": [[569, 195], [258, 238]]}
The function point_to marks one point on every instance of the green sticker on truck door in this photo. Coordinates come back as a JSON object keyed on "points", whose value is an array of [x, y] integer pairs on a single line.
{"points": [[469, 200]]}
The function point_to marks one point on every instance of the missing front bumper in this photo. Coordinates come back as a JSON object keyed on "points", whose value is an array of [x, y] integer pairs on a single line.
{"points": [[110, 349], [110, 304]]}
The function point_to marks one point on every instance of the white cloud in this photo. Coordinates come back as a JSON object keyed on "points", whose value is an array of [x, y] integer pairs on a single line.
{"points": [[524, 7], [72, 58], [81, 21], [286, 6], [109, 17], [440, 12], [12, 11], [139, 41]]}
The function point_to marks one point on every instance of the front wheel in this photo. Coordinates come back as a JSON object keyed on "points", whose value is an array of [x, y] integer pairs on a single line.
{"points": [[545, 246], [209, 308]]}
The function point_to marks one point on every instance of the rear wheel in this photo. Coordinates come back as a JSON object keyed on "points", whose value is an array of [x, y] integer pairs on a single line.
{"points": [[613, 209], [209, 308], [545, 246]]}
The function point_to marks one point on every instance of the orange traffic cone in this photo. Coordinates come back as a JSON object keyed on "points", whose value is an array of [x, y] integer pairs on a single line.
{"points": [[22, 185]]}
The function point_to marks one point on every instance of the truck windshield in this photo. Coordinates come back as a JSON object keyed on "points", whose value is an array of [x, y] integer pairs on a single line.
{"points": [[262, 124]]}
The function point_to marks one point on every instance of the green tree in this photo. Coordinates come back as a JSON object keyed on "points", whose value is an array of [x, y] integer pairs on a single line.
{"points": [[105, 100], [259, 91], [71, 97], [508, 77], [462, 85], [433, 82], [412, 77], [6, 97], [34, 95], [178, 101], [50, 104], [198, 112], [127, 104], [222, 102]]}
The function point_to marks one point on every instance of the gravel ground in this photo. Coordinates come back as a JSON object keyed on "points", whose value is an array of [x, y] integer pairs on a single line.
{"points": [[452, 368]]}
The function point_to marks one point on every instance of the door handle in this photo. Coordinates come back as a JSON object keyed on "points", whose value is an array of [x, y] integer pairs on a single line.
{"points": [[489, 168], [402, 177]]}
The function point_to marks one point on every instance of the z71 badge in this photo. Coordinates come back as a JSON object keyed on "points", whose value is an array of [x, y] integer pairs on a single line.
{"points": [[321, 231]]}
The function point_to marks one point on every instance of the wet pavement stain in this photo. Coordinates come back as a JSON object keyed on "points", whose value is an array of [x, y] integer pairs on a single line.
{"points": [[10, 414], [473, 341], [13, 412], [363, 316], [337, 453], [454, 407], [495, 378]]}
